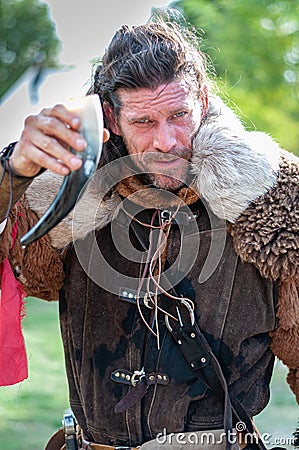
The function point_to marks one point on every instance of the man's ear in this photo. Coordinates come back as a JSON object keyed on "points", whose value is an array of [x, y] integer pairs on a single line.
{"points": [[111, 118]]}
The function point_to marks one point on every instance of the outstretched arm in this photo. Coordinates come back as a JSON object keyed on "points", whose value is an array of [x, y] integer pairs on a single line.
{"points": [[44, 144]]}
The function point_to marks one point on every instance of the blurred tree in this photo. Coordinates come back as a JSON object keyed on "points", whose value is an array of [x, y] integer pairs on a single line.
{"points": [[27, 41], [254, 48]]}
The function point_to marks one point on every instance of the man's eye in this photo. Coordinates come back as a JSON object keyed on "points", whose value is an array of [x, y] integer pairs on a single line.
{"points": [[142, 121], [180, 114]]}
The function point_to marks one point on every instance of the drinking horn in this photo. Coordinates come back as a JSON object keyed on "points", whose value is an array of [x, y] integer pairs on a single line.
{"points": [[90, 113]]}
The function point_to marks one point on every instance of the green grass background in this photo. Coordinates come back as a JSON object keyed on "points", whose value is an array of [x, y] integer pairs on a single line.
{"points": [[32, 410]]}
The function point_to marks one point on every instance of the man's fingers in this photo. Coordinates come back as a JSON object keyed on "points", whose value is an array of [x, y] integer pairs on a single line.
{"points": [[46, 141], [33, 159], [63, 114], [52, 148], [52, 126]]}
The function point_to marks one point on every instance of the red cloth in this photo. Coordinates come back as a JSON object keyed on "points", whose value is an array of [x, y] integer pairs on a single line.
{"points": [[13, 359]]}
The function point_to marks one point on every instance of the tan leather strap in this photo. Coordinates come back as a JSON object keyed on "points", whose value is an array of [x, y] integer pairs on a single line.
{"points": [[92, 446], [86, 445], [56, 441]]}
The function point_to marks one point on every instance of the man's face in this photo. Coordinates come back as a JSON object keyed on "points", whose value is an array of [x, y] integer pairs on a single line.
{"points": [[157, 127]]}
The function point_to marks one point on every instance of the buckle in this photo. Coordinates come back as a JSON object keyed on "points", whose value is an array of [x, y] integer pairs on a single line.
{"points": [[137, 376], [181, 218], [166, 215], [130, 296], [187, 304]]}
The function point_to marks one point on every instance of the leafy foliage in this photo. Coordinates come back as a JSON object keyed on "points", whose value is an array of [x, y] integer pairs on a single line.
{"points": [[27, 40], [254, 47]]}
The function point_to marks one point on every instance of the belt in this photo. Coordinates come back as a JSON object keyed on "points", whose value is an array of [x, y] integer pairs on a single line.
{"points": [[92, 446], [86, 445], [57, 442]]}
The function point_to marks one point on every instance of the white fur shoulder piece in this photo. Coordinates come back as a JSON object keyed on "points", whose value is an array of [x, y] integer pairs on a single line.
{"points": [[232, 166], [90, 212]]}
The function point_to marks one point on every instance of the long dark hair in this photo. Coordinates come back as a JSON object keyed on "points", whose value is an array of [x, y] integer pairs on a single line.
{"points": [[147, 56]]}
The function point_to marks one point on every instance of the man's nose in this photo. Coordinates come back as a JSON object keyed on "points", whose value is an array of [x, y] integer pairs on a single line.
{"points": [[164, 138]]}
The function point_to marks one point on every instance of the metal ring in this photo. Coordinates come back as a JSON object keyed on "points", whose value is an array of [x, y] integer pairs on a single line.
{"points": [[190, 310], [137, 376]]}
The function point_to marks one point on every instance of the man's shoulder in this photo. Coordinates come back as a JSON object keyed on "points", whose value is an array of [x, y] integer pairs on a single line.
{"points": [[267, 231], [232, 166]]}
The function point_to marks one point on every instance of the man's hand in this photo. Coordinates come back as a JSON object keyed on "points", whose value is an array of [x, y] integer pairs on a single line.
{"points": [[45, 140]]}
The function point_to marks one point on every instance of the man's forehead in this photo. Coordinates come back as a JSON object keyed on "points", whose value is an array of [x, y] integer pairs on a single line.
{"points": [[166, 95]]}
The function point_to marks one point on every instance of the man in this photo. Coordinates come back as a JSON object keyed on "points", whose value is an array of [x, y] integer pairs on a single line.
{"points": [[180, 267]]}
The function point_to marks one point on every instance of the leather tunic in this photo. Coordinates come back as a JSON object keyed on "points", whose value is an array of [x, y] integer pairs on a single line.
{"points": [[103, 332]]}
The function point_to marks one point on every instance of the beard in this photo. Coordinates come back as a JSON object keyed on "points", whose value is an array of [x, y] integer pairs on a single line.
{"points": [[169, 171], [164, 181]]}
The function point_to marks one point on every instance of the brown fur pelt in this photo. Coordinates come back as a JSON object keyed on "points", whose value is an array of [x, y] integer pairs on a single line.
{"points": [[267, 233], [6, 238], [154, 198], [285, 339], [38, 267], [293, 380]]}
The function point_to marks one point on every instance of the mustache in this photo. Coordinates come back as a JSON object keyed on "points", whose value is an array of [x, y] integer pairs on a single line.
{"points": [[176, 153]]}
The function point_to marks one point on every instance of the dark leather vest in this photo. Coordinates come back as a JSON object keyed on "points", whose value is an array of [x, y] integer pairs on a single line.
{"points": [[106, 340]]}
